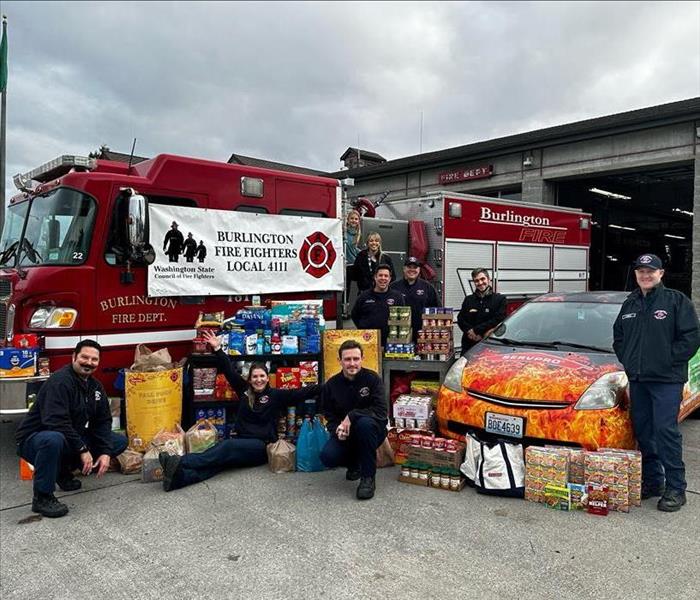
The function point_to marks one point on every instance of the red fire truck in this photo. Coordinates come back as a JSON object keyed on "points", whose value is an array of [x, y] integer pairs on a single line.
{"points": [[529, 249], [74, 252]]}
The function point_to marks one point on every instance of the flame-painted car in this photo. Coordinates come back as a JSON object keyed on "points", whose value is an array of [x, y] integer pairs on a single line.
{"points": [[547, 373]]}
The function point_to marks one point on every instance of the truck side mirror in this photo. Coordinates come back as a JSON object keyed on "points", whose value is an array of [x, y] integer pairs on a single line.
{"points": [[137, 222]]}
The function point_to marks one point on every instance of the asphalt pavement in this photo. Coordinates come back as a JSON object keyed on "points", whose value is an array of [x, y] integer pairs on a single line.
{"points": [[250, 533]]}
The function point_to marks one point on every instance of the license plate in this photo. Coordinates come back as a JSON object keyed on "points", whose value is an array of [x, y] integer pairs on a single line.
{"points": [[504, 425]]}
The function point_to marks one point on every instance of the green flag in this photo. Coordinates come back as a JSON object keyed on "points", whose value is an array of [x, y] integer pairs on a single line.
{"points": [[3, 58]]}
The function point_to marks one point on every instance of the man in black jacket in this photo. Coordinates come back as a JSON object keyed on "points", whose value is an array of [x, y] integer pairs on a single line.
{"points": [[69, 426], [371, 310], [353, 402], [655, 335], [481, 311], [417, 293]]}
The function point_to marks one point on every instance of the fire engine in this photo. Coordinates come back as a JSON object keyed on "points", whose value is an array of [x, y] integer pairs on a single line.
{"points": [[529, 249], [74, 252]]}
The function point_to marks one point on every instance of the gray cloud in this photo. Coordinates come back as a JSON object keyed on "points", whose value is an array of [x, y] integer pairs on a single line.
{"points": [[299, 82]]}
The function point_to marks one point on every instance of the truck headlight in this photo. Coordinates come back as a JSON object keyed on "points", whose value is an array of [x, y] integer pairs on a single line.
{"points": [[604, 392], [53, 318], [453, 379]]}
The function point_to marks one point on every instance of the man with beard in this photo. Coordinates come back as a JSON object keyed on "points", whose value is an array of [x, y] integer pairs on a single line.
{"points": [[481, 311], [69, 426]]}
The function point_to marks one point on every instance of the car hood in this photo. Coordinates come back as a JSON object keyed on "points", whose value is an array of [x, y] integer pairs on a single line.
{"points": [[534, 375]]}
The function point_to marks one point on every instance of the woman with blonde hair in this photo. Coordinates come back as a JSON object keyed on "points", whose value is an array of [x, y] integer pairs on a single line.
{"points": [[353, 242], [369, 259]]}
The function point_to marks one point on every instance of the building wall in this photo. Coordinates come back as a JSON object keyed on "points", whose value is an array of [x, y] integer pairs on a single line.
{"points": [[603, 154]]}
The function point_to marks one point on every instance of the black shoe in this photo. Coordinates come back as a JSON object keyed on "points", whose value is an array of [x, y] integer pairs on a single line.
{"points": [[68, 483], [650, 491], [352, 474], [170, 464], [365, 490], [671, 501], [48, 506]]}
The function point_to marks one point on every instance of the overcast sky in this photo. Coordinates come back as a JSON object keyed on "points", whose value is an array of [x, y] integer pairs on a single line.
{"points": [[300, 82]]}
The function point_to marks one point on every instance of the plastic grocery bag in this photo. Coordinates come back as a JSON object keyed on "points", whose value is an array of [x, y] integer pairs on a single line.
{"points": [[170, 441], [472, 455], [281, 456], [312, 438], [201, 436], [130, 462]]}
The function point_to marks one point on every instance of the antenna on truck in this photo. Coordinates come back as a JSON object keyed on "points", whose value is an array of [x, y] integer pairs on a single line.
{"points": [[131, 156]]}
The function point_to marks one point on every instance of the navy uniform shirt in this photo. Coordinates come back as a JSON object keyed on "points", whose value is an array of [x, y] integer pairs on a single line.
{"points": [[371, 310]]}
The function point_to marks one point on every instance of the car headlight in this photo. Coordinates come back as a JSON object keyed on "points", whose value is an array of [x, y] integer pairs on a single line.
{"points": [[604, 392], [53, 318], [453, 379]]}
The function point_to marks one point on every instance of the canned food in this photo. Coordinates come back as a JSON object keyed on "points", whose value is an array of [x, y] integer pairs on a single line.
{"points": [[416, 439], [426, 441], [455, 481], [435, 475], [405, 470], [43, 366], [445, 479], [439, 444]]}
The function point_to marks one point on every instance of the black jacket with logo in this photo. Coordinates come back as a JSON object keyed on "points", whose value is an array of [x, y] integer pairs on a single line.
{"points": [[418, 296], [258, 411], [371, 310], [365, 267], [362, 396], [656, 335], [480, 313], [73, 406]]}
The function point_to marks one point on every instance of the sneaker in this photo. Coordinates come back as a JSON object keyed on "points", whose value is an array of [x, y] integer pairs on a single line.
{"points": [[68, 483], [170, 464], [671, 501], [365, 490], [652, 490], [48, 506], [352, 474]]}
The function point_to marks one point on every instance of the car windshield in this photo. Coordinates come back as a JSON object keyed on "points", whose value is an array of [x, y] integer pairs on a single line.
{"points": [[58, 230], [583, 324]]}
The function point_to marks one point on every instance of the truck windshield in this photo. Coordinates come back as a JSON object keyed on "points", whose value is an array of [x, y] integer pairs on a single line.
{"points": [[58, 230]]}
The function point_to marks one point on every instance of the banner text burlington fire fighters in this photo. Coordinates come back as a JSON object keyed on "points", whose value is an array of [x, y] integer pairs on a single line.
{"points": [[219, 252]]}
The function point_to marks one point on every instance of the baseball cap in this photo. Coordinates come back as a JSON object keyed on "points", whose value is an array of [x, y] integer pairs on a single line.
{"points": [[650, 261], [412, 260]]}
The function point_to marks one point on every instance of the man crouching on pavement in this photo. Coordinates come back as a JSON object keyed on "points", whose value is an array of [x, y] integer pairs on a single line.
{"points": [[69, 426], [353, 403]]}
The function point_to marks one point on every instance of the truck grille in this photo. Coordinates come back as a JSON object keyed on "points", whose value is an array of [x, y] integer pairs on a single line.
{"points": [[5, 291]]}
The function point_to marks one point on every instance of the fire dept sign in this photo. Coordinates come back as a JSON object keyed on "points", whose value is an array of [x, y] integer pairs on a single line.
{"points": [[218, 252]]}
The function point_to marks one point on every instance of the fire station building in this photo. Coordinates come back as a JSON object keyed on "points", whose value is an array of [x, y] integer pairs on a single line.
{"points": [[637, 173]]}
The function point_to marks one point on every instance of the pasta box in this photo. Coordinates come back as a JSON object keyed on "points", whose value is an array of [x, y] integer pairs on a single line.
{"points": [[18, 362]]}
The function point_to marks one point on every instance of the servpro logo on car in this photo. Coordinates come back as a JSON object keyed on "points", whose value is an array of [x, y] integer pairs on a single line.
{"points": [[547, 359]]}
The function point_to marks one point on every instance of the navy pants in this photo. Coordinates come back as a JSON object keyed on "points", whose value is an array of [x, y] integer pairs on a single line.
{"points": [[52, 457], [366, 435], [654, 410], [227, 454]]}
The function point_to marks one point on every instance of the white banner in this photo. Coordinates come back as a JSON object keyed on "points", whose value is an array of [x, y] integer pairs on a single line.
{"points": [[206, 252]]}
